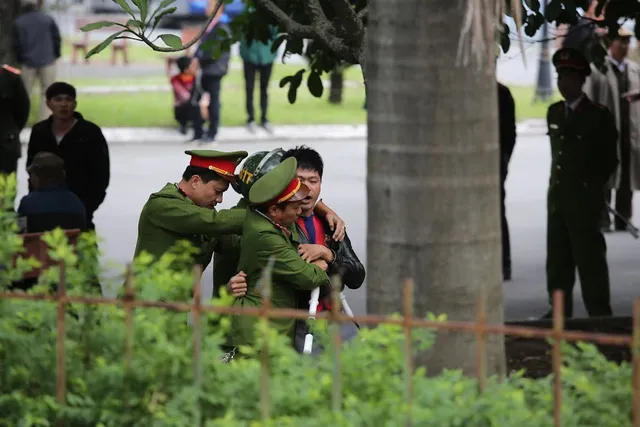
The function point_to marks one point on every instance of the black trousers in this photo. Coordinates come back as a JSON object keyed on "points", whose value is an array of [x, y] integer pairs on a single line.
{"points": [[504, 225], [250, 71], [188, 113], [575, 240], [212, 85], [623, 194]]}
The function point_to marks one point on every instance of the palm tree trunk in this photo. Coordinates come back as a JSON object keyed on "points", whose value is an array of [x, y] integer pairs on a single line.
{"points": [[433, 179], [337, 85]]}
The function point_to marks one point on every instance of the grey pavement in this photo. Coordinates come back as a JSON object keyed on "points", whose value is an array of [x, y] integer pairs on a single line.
{"points": [[241, 134], [140, 169]]}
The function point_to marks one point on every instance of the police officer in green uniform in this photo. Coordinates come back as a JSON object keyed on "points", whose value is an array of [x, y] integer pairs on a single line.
{"points": [[186, 210], [14, 105], [269, 231], [583, 151], [227, 251]]}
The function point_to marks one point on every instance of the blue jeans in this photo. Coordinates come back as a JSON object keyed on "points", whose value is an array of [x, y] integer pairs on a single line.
{"points": [[211, 85]]}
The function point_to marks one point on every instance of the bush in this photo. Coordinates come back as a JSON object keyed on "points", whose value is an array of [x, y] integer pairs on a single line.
{"points": [[159, 387]]}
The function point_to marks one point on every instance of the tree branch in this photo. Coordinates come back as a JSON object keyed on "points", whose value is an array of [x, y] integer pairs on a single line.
{"points": [[291, 27], [349, 19], [363, 12]]}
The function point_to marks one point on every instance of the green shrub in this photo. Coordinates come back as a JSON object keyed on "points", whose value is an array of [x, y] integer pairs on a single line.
{"points": [[158, 388]]}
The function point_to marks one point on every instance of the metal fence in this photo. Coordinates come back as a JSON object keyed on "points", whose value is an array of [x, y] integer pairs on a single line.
{"points": [[480, 328]]}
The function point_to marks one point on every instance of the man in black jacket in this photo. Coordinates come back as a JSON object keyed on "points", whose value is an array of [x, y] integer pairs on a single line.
{"points": [[79, 142], [318, 243], [14, 104], [507, 129]]}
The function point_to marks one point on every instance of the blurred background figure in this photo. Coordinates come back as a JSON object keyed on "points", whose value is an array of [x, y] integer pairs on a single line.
{"points": [[187, 94], [14, 105], [257, 58], [36, 44]]}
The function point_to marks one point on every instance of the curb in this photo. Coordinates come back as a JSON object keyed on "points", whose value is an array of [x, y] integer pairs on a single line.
{"points": [[281, 133]]}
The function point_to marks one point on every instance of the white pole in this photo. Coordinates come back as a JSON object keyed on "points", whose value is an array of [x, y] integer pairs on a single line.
{"points": [[313, 307]]}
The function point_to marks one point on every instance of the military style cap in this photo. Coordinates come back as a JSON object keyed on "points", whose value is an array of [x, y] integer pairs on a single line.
{"points": [[571, 59], [222, 163], [279, 185], [256, 166]]}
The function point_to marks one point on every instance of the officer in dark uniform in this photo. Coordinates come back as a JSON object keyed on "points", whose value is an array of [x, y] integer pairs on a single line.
{"points": [[583, 151], [14, 104]]}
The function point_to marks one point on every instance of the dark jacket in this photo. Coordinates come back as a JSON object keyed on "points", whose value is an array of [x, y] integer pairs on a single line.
{"points": [[36, 39], [14, 105], [85, 154], [52, 207], [213, 67], [507, 127]]}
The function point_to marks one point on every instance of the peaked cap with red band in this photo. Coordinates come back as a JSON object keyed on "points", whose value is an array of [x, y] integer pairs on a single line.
{"points": [[224, 164], [279, 185], [571, 59]]}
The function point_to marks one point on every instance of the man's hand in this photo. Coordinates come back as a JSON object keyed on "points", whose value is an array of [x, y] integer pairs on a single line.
{"points": [[321, 263], [336, 224], [310, 252], [237, 286]]}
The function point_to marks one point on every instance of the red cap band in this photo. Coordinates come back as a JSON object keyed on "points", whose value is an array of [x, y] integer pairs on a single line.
{"points": [[223, 167], [288, 192]]}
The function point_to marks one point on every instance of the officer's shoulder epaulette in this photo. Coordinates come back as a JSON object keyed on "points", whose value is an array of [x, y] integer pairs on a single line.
{"points": [[11, 69]]}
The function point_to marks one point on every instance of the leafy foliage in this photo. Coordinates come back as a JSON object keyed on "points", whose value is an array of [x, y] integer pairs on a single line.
{"points": [[160, 386]]}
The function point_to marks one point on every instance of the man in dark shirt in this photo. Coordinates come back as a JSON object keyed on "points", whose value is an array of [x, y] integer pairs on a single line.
{"points": [[507, 129], [51, 204], [78, 142]]}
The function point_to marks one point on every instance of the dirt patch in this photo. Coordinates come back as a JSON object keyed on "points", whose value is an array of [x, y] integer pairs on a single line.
{"points": [[534, 355]]}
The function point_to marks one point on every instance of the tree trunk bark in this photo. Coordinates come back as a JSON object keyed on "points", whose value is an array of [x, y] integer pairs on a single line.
{"points": [[9, 10], [433, 184], [337, 85]]}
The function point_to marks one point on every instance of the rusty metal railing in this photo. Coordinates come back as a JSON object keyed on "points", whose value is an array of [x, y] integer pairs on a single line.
{"points": [[408, 322]]}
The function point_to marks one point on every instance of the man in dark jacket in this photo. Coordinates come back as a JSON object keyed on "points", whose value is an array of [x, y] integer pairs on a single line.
{"points": [[507, 129], [14, 104], [213, 70], [50, 204], [79, 142], [319, 243]]}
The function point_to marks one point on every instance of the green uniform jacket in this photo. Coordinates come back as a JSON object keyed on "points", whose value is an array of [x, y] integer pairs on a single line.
{"points": [[583, 153], [170, 216], [261, 239], [227, 255]]}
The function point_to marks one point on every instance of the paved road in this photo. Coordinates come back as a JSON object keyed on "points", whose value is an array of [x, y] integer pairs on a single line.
{"points": [[141, 169]]}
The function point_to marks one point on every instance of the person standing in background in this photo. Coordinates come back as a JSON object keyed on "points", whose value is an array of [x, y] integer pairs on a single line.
{"points": [[507, 129], [213, 69], [187, 93], [36, 45], [257, 58], [621, 76]]}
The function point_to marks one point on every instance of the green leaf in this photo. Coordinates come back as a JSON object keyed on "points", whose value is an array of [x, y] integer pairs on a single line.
{"points": [[285, 81], [97, 25], [172, 40], [106, 42], [135, 23], [314, 83], [505, 41], [296, 81], [295, 45], [125, 6], [165, 3], [142, 7], [534, 5], [161, 15], [552, 10], [277, 42]]}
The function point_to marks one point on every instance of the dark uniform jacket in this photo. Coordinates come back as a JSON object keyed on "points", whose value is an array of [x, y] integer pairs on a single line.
{"points": [[86, 158], [14, 108], [48, 208]]}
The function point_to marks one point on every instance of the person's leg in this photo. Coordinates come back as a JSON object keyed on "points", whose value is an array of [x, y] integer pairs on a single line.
{"points": [[605, 216], [214, 107], [560, 266], [249, 85], [265, 77], [506, 241], [196, 120], [624, 194], [48, 76], [180, 114]]}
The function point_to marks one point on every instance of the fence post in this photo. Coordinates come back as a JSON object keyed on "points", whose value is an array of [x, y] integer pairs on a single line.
{"points": [[265, 284], [335, 327], [481, 352], [635, 342], [197, 341], [558, 326], [129, 296], [408, 346], [61, 377]]}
